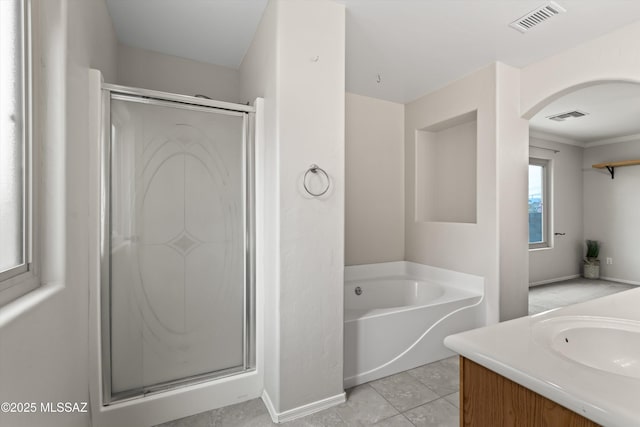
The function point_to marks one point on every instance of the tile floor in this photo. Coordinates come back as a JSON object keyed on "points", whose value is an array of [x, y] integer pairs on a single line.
{"points": [[425, 396], [567, 292]]}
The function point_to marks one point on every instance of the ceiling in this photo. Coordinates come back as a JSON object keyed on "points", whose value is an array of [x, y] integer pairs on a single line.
{"points": [[415, 46], [420, 46], [613, 111], [213, 31]]}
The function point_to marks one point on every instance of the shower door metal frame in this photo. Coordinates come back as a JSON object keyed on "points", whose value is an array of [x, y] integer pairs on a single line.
{"points": [[166, 99]]}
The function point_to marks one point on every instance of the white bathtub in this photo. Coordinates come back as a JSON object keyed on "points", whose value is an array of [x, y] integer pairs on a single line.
{"points": [[402, 315]]}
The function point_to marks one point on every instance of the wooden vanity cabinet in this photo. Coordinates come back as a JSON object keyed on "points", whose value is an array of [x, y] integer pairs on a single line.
{"points": [[488, 399]]}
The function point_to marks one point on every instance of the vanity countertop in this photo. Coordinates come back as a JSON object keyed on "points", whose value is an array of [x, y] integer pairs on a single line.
{"points": [[524, 351]]}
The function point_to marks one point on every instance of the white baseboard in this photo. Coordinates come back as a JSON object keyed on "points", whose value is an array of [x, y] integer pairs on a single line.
{"points": [[557, 279], [269, 404], [560, 279], [301, 411], [627, 282]]}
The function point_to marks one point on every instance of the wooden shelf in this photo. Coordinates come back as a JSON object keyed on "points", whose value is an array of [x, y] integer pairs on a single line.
{"points": [[611, 166]]}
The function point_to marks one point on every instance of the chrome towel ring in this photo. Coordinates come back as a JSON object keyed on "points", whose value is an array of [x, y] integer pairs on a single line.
{"points": [[315, 169]]}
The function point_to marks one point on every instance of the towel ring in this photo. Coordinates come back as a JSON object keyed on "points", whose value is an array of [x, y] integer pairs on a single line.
{"points": [[316, 169]]}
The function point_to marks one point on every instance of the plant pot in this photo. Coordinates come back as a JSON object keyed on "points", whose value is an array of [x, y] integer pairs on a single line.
{"points": [[591, 270]]}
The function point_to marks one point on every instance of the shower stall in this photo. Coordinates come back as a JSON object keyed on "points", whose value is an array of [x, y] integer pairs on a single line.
{"points": [[177, 295]]}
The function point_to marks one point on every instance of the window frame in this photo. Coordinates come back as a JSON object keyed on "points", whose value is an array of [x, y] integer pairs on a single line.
{"points": [[547, 203], [22, 279]]}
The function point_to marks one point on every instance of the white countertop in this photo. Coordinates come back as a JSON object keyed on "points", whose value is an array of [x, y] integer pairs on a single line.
{"points": [[509, 348]]}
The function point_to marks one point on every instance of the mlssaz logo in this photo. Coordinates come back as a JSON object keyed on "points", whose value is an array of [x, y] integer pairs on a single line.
{"points": [[65, 407]]}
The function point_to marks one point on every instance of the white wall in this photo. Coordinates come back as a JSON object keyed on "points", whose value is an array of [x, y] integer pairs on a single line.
{"points": [[258, 79], [152, 70], [446, 173], [612, 57], [512, 137], [43, 336], [464, 247], [456, 174], [304, 125], [494, 245], [612, 209], [103, 48], [311, 114], [374, 181], [563, 259]]}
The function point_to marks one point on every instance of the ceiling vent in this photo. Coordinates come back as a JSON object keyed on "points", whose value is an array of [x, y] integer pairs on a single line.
{"points": [[537, 16], [568, 115]]}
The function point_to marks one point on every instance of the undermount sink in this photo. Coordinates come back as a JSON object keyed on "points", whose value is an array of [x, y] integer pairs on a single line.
{"points": [[607, 344]]}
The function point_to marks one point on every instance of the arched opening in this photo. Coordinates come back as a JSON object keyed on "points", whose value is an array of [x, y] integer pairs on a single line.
{"points": [[550, 99], [570, 201]]}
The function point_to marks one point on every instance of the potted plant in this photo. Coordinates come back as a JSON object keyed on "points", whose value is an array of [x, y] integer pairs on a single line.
{"points": [[591, 261]]}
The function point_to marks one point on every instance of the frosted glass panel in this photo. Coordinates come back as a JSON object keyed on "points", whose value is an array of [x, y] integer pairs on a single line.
{"points": [[177, 243], [11, 137]]}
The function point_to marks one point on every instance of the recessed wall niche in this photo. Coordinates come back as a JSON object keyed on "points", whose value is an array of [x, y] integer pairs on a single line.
{"points": [[446, 180]]}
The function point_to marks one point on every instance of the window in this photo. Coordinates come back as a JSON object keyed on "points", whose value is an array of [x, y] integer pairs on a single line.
{"points": [[14, 150], [539, 204]]}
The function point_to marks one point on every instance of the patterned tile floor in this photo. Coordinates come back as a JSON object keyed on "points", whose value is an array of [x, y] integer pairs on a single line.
{"points": [[425, 396]]}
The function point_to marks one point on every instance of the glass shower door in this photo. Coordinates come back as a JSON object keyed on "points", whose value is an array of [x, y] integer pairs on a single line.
{"points": [[178, 244]]}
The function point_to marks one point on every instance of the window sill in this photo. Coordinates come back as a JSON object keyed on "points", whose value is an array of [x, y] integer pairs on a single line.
{"points": [[542, 248], [23, 304]]}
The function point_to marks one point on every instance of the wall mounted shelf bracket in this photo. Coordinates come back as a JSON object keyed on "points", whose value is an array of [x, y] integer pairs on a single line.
{"points": [[611, 166], [612, 171]]}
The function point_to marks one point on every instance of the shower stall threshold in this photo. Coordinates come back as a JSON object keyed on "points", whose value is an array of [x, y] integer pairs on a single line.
{"points": [[130, 395]]}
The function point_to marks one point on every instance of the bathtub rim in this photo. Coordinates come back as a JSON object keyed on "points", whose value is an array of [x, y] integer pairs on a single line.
{"points": [[403, 283], [438, 275], [449, 295], [469, 312], [468, 285]]}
